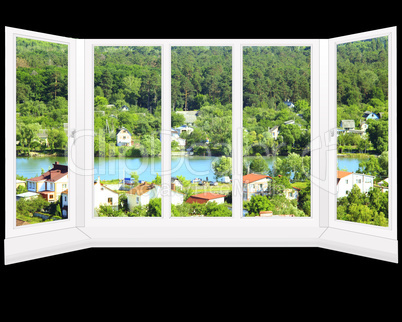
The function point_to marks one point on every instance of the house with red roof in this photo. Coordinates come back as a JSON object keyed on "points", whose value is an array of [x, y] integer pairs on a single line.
{"points": [[346, 180], [256, 184], [50, 184], [206, 197]]}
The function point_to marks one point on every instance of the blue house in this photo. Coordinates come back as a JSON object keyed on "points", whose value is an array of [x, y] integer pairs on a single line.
{"points": [[289, 104], [370, 116]]}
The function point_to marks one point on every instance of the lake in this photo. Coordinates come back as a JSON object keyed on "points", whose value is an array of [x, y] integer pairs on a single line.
{"points": [[114, 168]]}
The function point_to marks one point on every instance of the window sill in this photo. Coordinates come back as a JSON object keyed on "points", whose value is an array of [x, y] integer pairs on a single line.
{"points": [[24, 248]]}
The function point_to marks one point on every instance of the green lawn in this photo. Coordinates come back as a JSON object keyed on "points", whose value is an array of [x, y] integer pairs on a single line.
{"points": [[301, 184]]}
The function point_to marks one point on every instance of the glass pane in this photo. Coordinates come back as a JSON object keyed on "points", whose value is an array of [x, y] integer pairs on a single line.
{"points": [[127, 124], [42, 126], [201, 119], [276, 135], [362, 120]]}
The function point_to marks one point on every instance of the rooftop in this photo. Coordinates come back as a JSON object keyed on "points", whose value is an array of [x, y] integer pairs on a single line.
{"points": [[342, 174], [142, 188], [57, 172], [204, 197], [251, 177]]}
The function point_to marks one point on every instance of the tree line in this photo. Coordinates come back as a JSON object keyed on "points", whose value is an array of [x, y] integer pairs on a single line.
{"points": [[42, 94]]}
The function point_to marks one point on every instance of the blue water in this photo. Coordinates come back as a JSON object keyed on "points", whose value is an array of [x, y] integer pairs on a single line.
{"points": [[349, 164], [117, 168]]}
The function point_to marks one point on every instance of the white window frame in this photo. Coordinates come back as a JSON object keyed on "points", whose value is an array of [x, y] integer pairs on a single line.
{"points": [[12, 230], [83, 230], [389, 232]]}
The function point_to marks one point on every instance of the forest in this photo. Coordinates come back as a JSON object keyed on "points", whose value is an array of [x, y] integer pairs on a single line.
{"points": [[42, 96]]}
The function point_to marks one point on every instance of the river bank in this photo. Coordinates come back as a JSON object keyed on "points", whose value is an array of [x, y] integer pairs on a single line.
{"points": [[356, 155]]}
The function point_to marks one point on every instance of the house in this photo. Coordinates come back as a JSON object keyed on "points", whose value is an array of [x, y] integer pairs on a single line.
{"points": [[346, 180], [184, 129], [289, 104], [51, 183], [43, 137], [274, 131], [291, 193], [177, 184], [123, 137], [175, 137], [124, 108], [363, 126], [206, 197], [347, 125], [19, 183], [64, 204], [255, 184], [143, 193], [370, 116], [289, 122], [104, 196]]}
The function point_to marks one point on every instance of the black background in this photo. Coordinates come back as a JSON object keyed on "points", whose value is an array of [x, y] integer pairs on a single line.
{"points": [[259, 275]]}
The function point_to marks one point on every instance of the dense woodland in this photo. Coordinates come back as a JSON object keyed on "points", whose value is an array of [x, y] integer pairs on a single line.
{"points": [[42, 95]]}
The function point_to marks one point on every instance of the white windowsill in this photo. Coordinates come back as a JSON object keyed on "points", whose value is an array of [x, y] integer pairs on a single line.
{"points": [[45, 244]]}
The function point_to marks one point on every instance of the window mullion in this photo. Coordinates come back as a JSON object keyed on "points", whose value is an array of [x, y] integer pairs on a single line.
{"points": [[237, 131], [165, 133]]}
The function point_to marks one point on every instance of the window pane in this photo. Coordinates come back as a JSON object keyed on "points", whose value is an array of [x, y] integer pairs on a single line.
{"points": [[42, 126], [276, 135], [362, 120], [201, 119], [127, 125]]}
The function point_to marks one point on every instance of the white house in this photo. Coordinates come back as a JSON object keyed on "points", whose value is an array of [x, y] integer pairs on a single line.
{"points": [[346, 181], [175, 137], [176, 182], [255, 184], [123, 137], [184, 129], [105, 196], [143, 193]]}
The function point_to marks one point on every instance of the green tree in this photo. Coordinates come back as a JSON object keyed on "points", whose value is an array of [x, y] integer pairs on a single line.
{"points": [[154, 208], [258, 203], [222, 167], [106, 83], [259, 165], [27, 133], [131, 87]]}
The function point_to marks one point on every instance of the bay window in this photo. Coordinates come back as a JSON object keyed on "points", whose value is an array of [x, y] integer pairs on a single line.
{"points": [[212, 142]]}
